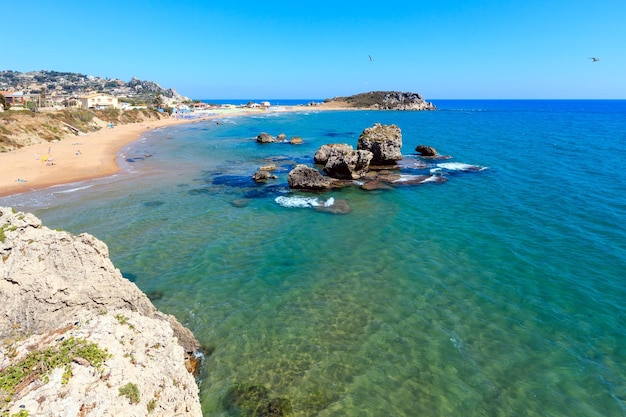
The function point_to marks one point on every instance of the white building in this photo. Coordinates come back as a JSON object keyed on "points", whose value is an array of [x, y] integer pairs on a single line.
{"points": [[98, 101]]}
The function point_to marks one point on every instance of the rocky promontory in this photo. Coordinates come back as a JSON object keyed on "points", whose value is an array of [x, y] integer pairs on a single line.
{"points": [[78, 338], [381, 100]]}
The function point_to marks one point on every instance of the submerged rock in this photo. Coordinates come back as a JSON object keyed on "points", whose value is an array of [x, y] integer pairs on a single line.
{"points": [[255, 400], [338, 206], [375, 185], [268, 167]]}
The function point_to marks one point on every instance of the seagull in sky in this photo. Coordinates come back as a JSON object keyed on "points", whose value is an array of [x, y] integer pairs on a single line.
{"points": [[594, 59]]}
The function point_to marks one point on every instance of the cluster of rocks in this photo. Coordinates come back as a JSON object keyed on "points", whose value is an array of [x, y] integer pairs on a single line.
{"points": [[264, 173], [54, 287], [379, 149], [281, 138]]}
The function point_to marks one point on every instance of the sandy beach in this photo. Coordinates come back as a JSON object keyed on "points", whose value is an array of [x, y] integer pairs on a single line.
{"points": [[75, 159], [93, 155]]}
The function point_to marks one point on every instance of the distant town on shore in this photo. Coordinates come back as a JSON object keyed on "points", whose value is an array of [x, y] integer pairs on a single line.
{"points": [[54, 89]]}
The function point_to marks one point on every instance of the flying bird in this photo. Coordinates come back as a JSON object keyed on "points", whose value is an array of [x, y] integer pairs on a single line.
{"points": [[594, 59], [371, 59]]}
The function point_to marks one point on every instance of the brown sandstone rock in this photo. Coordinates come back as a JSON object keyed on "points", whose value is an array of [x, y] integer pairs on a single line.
{"points": [[304, 177], [425, 150], [351, 165], [385, 143], [326, 151]]}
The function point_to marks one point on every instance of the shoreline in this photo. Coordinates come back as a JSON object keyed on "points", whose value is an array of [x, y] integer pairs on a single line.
{"points": [[91, 156]]}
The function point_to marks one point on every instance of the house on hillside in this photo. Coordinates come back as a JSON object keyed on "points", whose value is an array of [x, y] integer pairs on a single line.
{"points": [[98, 101], [14, 98]]}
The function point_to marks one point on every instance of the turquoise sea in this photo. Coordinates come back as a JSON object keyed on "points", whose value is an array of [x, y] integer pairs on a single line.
{"points": [[500, 292]]}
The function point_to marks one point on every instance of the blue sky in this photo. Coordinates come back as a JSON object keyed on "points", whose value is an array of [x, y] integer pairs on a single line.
{"points": [[319, 49]]}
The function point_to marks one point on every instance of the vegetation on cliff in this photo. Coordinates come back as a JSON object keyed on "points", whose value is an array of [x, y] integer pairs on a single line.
{"points": [[19, 128]]}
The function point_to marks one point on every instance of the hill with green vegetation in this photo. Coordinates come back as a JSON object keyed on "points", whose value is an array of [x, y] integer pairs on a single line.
{"points": [[382, 100]]}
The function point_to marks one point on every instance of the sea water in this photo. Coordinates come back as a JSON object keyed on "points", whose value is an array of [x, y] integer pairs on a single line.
{"points": [[498, 292]]}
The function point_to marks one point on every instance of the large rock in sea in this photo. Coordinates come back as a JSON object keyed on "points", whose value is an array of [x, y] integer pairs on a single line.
{"points": [[307, 178], [384, 142], [265, 138], [326, 151], [351, 165], [426, 150], [56, 289]]}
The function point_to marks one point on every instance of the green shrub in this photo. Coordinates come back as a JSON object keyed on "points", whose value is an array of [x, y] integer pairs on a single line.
{"points": [[131, 391], [39, 363]]}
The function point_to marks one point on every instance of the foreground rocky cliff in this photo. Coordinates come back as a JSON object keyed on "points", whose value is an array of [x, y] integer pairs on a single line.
{"points": [[78, 338]]}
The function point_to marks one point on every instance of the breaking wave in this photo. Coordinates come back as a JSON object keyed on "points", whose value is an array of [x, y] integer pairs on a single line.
{"points": [[303, 202], [457, 166]]}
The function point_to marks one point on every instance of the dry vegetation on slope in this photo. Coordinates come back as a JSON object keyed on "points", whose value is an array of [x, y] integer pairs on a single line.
{"points": [[21, 128]]}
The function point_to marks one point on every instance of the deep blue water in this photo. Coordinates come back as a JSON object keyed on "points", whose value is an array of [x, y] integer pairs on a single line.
{"points": [[499, 292]]}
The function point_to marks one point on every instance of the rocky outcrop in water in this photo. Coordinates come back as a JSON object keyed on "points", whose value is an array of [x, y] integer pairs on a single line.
{"points": [[382, 100], [425, 150], [307, 178], [265, 138], [384, 142], [377, 163], [351, 165], [326, 151], [55, 288]]}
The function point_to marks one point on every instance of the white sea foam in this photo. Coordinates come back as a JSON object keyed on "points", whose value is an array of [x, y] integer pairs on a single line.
{"points": [[406, 178], [72, 190], [457, 166], [303, 202], [432, 178]]}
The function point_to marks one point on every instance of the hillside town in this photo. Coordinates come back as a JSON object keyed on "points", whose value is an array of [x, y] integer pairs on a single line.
{"points": [[53, 90]]}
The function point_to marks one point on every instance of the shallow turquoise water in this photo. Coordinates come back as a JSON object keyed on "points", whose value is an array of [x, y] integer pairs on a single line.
{"points": [[498, 292]]}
